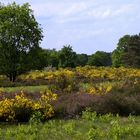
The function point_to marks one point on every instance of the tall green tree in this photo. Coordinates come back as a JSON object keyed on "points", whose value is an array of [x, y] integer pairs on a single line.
{"points": [[117, 55], [131, 55], [67, 57], [100, 58], [19, 33], [127, 52]]}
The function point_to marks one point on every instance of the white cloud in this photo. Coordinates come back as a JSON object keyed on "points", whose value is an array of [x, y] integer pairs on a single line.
{"points": [[58, 9], [112, 11], [61, 13], [96, 21], [69, 11]]}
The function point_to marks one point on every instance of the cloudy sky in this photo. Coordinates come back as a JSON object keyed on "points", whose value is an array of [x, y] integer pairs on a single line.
{"points": [[87, 25]]}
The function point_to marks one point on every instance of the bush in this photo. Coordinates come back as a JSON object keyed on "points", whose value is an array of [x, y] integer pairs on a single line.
{"points": [[71, 105], [21, 108], [123, 101]]}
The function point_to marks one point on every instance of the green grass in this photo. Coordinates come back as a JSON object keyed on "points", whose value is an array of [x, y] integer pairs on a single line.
{"points": [[89, 127], [25, 88]]}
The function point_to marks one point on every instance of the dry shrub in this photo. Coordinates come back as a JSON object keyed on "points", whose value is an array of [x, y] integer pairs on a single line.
{"points": [[71, 105]]}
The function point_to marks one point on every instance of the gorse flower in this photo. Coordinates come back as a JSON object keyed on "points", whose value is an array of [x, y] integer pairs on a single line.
{"points": [[21, 105]]}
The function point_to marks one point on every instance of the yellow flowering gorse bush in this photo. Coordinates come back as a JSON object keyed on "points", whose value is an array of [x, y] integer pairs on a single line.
{"points": [[97, 89], [11, 109], [62, 78], [89, 72], [66, 80], [48, 75], [108, 73]]}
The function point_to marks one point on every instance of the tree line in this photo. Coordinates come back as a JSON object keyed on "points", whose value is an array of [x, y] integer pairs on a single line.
{"points": [[20, 51], [66, 57]]}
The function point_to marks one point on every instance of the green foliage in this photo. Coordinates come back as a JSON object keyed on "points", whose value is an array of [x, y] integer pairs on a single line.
{"points": [[36, 59], [131, 56], [118, 52], [36, 118], [94, 134], [89, 115], [127, 52], [19, 34], [100, 58], [67, 57], [82, 59], [52, 58], [116, 129]]}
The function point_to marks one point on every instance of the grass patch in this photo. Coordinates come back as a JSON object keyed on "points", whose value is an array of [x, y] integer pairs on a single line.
{"points": [[89, 127], [30, 89]]}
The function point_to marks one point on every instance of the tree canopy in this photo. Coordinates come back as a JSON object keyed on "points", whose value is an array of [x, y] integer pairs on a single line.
{"points": [[100, 58], [127, 52], [82, 59], [19, 34], [67, 57]]}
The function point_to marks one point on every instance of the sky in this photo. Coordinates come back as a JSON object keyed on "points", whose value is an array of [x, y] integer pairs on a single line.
{"points": [[87, 25]]}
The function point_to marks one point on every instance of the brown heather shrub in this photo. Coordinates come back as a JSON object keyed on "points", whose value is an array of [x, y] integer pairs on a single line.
{"points": [[71, 105], [119, 103], [122, 100]]}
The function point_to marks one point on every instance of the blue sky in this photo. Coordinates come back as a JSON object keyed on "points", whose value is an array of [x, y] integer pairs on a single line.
{"points": [[87, 25]]}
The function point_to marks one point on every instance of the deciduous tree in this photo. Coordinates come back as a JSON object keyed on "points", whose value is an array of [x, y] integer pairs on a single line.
{"points": [[19, 33]]}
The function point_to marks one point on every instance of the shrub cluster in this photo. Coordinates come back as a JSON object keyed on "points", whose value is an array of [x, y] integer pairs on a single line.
{"points": [[21, 108], [103, 89], [123, 100]]}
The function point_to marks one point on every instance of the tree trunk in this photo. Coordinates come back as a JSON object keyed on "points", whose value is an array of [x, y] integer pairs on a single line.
{"points": [[12, 77]]}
